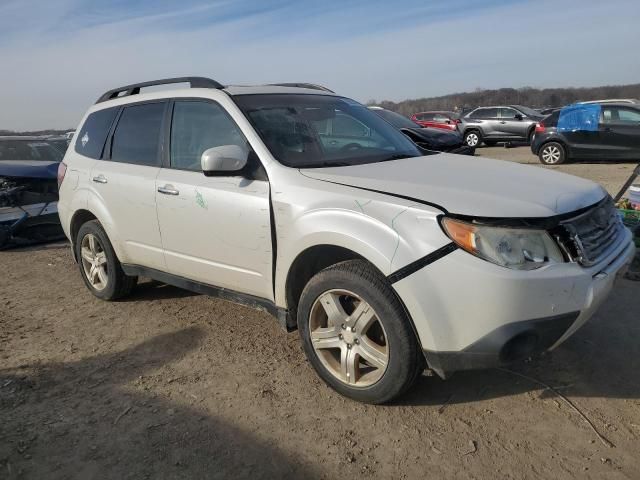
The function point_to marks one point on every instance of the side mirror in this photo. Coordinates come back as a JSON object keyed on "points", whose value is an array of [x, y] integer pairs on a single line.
{"points": [[223, 160], [518, 116]]}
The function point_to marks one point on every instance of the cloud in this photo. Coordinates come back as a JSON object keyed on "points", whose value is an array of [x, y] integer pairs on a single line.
{"points": [[65, 57]]}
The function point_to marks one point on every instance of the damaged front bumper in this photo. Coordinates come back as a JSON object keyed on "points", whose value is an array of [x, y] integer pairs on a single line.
{"points": [[28, 211]]}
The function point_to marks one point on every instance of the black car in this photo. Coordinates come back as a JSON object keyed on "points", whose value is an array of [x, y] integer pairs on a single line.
{"points": [[433, 139], [589, 131]]}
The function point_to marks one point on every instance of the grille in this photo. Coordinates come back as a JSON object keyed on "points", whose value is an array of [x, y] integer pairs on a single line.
{"points": [[595, 232]]}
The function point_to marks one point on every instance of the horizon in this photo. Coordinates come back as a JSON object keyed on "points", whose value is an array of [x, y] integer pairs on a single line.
{"points": [[364, 50]]}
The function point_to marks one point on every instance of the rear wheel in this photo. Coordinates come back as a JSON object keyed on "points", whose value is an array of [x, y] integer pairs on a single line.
{"points": [[99, 266], [552, 153], [356, 334], [472, 138]]}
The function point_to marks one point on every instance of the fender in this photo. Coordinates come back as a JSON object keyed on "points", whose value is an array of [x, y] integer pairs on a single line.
{"points": [[383, 234], [96, 206]]}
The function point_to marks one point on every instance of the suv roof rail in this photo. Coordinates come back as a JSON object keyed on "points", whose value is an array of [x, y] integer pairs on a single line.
{"points": [[312, 86], [134, 89]]}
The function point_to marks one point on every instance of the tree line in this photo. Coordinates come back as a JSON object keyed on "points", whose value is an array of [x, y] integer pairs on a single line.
{"points": [[527, 96]]}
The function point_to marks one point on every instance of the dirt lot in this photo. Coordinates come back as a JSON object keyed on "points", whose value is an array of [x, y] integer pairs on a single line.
{"points": [[169, 384]]}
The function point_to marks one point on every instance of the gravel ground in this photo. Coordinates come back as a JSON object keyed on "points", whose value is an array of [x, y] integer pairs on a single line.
{"points": [[169, 384]]}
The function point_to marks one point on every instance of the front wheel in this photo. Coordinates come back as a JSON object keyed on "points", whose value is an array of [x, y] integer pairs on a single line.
{"points": [[552, 153], [472, 138], [356, 335]]}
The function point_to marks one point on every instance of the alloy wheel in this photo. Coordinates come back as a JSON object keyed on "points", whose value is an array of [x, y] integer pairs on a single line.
{"points": [[472, 139], [349, 338], [94, 262], [551, 154]]}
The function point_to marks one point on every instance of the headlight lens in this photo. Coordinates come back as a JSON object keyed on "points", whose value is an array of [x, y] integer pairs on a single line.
{"points": [[517, 248]]}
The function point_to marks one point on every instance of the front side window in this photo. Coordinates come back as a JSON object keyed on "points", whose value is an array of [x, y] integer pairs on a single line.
{"points": [[306, 131], [620, 115], [508, 113], [441, 118], [91, 137], [197, 126], [137, 137]]}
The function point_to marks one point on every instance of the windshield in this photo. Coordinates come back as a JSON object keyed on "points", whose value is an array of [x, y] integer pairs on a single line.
{"points": [[308, 131], [529, 112], [29, 150], [396, 119]]}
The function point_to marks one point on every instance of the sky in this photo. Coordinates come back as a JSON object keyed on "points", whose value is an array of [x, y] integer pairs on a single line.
{"points": [[58, 56]]}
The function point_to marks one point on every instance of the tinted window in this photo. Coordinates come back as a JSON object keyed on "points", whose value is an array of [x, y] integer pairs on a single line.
{"points": [[28, 150], [198, 126], [425, 116], [91, 138], [137, 136], [628, 115]]}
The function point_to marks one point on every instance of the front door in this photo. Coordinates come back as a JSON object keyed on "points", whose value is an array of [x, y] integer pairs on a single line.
{"points": [[620, 130], [215, 230]]}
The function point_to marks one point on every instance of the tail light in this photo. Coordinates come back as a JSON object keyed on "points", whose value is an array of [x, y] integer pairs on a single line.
{"points": [[540, 128], [62, 170]]}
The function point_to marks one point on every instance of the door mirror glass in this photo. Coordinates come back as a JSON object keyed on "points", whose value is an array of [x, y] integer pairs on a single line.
{"points": [[223, 160]]}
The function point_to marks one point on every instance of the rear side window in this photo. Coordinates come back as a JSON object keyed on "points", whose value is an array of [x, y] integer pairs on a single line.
{"points": [[425, 116], [90, 140], [137, 137]]}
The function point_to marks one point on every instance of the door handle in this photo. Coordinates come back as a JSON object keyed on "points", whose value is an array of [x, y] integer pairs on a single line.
{"points": [[100, 179], [503, 122], [168, 190]]}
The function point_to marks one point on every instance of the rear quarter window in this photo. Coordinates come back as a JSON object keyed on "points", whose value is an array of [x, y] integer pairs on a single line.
{"points": [[90, 140]]}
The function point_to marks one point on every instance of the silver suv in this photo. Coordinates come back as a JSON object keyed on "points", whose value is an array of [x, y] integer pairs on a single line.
{"points": [[499, 124]]}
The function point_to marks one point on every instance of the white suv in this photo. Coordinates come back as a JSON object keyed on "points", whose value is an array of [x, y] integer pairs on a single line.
{"points": [[310, 206]]}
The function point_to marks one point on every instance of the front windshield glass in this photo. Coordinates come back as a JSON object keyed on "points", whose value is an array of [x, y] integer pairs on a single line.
{"points": [[309, 131], [29, 150]]}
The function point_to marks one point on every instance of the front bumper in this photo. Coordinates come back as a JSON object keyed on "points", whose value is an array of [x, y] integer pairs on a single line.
{"points": [[471, 314]]}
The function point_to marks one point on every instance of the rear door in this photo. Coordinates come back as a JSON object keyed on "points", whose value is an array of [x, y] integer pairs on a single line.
{"points": [[620, 131], [215, 230], [488, 121], [124, 183]]}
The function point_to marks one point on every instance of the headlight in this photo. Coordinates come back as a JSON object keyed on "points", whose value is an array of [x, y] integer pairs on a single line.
{"points": [[517, 248]]}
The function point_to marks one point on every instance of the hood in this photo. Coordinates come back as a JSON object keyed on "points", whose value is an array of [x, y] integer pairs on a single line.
{"points": [[437, 137], [473, 186], [28, 169]]}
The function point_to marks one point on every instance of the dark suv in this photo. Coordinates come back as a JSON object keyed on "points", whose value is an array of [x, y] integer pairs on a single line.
{"points": [[509, 123], [609, 131]]}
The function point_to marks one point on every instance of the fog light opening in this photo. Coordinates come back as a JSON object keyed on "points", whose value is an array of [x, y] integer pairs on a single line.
{"points": [[519, 347]]}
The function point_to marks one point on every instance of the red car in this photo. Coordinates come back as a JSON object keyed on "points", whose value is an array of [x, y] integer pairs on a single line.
{"points": [[444, 120]]}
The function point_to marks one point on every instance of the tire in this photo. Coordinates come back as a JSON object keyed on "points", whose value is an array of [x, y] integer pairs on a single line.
{"points": [[552, 153], [473, 138], [532, 133], [490, 143], [398, 359], [108, 280]]}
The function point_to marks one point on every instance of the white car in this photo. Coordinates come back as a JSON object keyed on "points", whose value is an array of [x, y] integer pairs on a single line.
{"points": [[387, 261]]}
